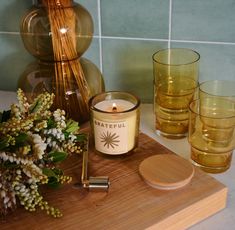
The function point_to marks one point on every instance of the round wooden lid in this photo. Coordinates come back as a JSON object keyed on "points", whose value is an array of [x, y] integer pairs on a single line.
{"points": [[166, 171]]}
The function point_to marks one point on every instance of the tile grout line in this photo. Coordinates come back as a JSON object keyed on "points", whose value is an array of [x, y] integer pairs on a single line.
{"points": [[203, 42], [132, 38], [100, 36], [143, 39], [170, 23], [166, 40]]}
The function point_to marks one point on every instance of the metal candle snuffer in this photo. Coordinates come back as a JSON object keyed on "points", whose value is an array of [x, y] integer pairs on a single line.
{"points": [[93, 183]]}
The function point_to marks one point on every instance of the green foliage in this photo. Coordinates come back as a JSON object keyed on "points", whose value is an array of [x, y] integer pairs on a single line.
{"points": [[57, 156], [53, 177], [51, 123], [71, 126], [5, 115], [9, 165], [4, 143], [81, 137], [21, 139], [35, 106]]}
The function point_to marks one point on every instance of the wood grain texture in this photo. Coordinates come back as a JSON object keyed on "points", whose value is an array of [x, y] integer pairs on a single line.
{"points": [[130, 202]]}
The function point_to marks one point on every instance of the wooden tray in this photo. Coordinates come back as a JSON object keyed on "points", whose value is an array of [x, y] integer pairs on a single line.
{"points": [[130, 202]]}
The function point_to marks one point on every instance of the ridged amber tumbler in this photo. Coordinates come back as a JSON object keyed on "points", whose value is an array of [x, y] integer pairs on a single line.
{"points": [[212, 133], [175, 86]]}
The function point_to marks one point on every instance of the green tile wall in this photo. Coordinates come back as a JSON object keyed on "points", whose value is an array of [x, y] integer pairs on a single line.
{"points": [[128, 32], [135, 18]]}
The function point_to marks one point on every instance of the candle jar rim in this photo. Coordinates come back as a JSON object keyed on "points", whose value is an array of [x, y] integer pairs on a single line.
{"points": [[108, 94]]}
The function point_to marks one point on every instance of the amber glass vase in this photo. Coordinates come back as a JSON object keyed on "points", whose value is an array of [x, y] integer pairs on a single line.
{"points": [[37, 34], [57, 33], [38, 77]]}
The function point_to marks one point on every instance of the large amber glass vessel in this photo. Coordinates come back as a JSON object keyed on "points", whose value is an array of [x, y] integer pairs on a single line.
{"points": [[57, 33], [76, 26]]}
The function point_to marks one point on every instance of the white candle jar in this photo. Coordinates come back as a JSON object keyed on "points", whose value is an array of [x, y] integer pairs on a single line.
{"points": [[115, 120]]}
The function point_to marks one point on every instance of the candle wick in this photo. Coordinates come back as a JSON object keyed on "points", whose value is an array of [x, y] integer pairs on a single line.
{"points": [[114, 108]]}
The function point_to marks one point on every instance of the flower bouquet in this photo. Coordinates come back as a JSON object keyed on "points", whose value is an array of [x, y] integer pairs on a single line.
{"points": [[33, 140]]}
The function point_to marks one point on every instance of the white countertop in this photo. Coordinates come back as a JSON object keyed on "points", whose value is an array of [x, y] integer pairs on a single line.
{"points": [[223, 220]]}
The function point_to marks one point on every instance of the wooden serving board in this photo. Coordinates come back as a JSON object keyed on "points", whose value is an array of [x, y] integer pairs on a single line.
{"points": [[130, 202]]}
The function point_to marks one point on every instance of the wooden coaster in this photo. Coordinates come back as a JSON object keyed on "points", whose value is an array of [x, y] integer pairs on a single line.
{"points": [[166, 171]]}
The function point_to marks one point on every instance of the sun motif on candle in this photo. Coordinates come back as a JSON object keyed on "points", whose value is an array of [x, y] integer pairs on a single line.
{"points": [[109, 139]]}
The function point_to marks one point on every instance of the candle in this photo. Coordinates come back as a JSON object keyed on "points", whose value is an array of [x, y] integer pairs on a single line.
{"points": [[115, 122]]}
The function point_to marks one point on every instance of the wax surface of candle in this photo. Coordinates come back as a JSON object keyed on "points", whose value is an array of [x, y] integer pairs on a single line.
{"points": [[121, 105]]}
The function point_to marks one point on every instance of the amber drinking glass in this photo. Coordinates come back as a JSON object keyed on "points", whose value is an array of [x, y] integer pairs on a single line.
{"points": [[175, 86], [217, 88], [212, 133]]}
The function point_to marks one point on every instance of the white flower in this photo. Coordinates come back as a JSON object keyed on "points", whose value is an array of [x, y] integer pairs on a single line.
{"points": [[38, 145], [59, 116]]}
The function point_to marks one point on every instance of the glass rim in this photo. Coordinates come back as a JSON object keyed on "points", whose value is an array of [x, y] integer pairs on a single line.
{"points": [[194, 110], [168, 49], [136, 105], [213, 81]]}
